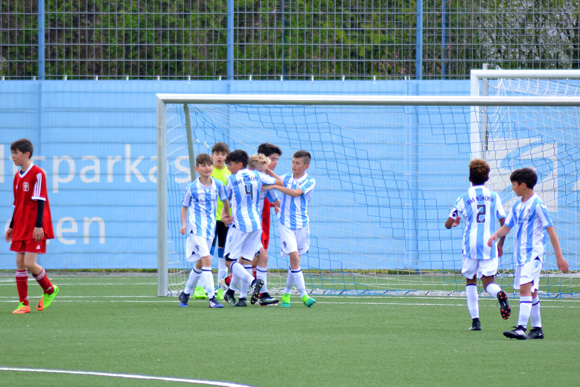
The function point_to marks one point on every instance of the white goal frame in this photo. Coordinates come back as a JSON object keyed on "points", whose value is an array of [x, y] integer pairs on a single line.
{"points": [[476, 101]]}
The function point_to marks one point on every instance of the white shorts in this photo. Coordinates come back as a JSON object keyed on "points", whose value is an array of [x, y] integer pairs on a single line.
{"points": [[242, 244], [197, 247], [294, 240], [480, 267], [529, 272]]}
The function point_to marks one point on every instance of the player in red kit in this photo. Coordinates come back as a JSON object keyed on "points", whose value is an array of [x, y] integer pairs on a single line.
{"points": [[30, 227]]}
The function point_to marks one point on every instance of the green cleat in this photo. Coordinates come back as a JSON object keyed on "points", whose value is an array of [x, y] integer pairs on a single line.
{"points": [[285, 300], [199, 293], [220, 294], [308, 301], [46, 299]]}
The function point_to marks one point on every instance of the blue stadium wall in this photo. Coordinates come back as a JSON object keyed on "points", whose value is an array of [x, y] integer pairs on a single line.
{"points": [[97, 142]]}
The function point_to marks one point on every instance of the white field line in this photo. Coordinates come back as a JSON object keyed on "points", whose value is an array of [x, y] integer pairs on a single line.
{"points": [[124, 376], [366, 300]]}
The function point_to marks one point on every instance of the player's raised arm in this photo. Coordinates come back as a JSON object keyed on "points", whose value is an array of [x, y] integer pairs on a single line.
{"points": [[289, 191], [271, 173]]}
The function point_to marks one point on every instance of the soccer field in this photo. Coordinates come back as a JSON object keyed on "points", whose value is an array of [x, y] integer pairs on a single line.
{"points": [[112, 330]]}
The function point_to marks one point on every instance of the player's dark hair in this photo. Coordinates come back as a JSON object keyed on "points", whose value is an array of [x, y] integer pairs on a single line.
{"points": [[238, 156], [525, 175], [23, 145], [304, 155], [269, 149], [220, 147], [203, 158], [478, 171]]}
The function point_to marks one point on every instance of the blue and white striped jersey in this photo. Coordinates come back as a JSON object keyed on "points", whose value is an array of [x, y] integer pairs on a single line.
{"points": [[294, 210], [201, 201], [244, 190], [529, 219], [270, 195], [481, 209]]}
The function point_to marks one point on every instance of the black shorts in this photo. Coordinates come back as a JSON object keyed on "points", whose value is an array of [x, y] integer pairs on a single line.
{"points": [[221, 232]]}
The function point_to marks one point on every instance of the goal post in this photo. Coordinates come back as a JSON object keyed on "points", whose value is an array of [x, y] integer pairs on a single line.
{"points": [[388, 169]]}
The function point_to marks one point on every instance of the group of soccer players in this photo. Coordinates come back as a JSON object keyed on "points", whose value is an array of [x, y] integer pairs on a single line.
{"points": [[229, 205], [482, 245], [233, 180]]}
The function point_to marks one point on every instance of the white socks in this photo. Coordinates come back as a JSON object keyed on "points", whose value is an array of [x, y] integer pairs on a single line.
{"points": [[525, 310], [472, 300], [207, 279], [192, 281], [493, 289], [298, 279], [222, 270], [262, 273], [535, 317]]}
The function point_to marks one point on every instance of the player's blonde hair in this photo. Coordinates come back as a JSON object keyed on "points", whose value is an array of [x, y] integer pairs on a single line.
{"points": [[258, 162]]}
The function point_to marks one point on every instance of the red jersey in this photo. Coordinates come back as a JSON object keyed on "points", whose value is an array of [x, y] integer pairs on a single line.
{"points": [[28, 189]]}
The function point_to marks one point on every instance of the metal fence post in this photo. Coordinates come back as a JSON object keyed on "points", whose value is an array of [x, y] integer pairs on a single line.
{"points": [[419, 42], [41, 39], [230, 40]]}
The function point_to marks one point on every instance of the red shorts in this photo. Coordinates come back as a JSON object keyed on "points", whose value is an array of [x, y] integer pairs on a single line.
{"points": [[266, 224], [29, 246]]}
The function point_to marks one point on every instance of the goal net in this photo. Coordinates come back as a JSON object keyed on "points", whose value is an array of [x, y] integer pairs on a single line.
{"points": [[388, 171]]}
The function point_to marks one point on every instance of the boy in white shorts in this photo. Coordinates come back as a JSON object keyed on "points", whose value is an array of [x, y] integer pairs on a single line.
{"points": [[530, 218], [198, 219], [294, 223], [260, 163], [481, 209], [244, 190]]}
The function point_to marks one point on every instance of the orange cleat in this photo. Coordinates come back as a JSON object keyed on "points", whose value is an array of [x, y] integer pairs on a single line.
{"points": [[22, 309]]}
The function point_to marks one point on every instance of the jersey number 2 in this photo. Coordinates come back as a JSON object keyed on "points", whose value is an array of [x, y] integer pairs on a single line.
{"points": [[481, 209]]}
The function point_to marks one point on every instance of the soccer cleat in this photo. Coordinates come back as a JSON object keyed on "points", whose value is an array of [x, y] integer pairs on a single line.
{"points": [[518, 333], [475, 325], [267, 300], [214, 303], [241, 303], [184, 299], [220, 294], [536, 333], [256, 287], [308, 301], [229, 298], [47, 299], [22, 309], [504, 307], [199, 293], [285, 300]]}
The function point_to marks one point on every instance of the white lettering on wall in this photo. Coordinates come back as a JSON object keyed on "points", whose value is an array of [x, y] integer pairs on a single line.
{"points": [[132, 167], [61, 230], [56, 178], [111, 161], [183, 168], [87, 225], [95, 169]]}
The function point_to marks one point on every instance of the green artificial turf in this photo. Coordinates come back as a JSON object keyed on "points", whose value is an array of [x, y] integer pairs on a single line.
{"points": [[116, 324]]}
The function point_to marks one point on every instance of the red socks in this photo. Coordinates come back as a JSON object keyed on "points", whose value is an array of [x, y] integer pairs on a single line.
{"points": [[22, 285], [44, 282]]}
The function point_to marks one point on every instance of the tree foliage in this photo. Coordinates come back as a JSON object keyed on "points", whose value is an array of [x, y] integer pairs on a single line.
{"points": [[296, 39]]}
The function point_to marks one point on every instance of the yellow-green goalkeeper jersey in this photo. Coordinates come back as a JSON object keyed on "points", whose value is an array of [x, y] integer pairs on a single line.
{"points": [[221, 175]]}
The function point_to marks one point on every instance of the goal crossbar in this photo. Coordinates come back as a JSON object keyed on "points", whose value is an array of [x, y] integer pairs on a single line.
{"points": [[392, 100]]}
